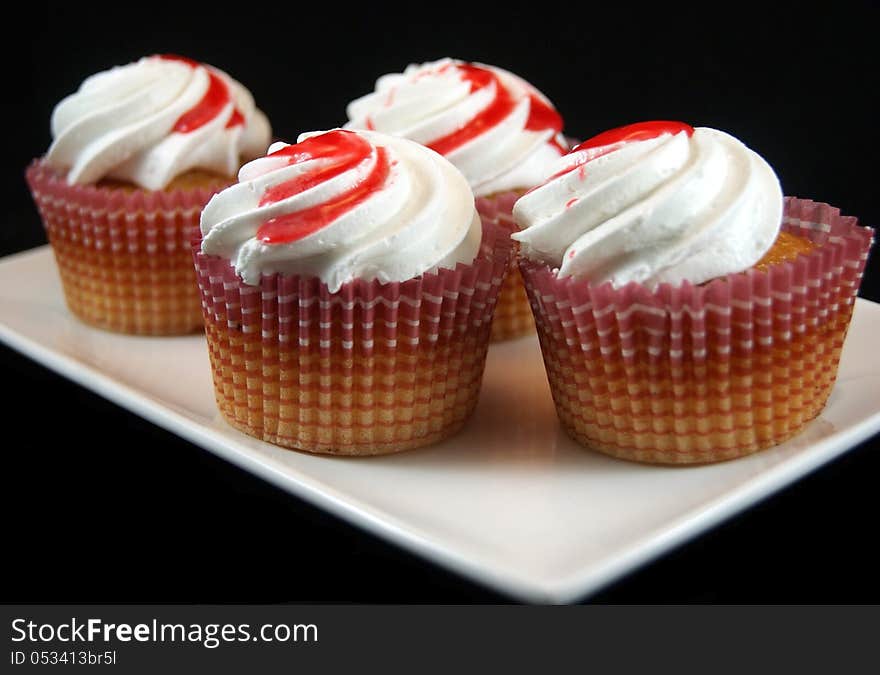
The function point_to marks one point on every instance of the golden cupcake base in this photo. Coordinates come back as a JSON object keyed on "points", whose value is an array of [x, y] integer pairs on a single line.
{"points": [[120, 292], [344, 406], [123, 253], [368, 369], [664, 414], [513, 314], [691, 374]]}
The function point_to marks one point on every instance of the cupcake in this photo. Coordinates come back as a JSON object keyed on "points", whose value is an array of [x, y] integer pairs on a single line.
{"points": [[137, 152], [502, 133], [687, 311], [348, 289]]}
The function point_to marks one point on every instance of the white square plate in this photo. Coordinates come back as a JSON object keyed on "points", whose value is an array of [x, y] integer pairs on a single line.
{"points": [[510, 501]]}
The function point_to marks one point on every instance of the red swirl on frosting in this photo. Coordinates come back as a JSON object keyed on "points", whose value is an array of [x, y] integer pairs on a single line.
{"points": [[614, 139], [216, 98], [630, 133], [542, 116], [344, 150]]}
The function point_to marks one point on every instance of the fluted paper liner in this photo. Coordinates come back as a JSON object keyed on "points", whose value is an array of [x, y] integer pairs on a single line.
{"points": [[692, 374], [123, 254], [371, 369], [513, 315]]}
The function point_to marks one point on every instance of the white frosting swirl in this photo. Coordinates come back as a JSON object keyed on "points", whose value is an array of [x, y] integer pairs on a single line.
{"points": [[428, 102], [671, 208], [418, 216], [122, 123]]}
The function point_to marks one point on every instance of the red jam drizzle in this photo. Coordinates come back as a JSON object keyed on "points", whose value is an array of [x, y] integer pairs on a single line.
{"points": [[614, 139], [177, 57], [345, 150], [235, 119], [640, 131], [212, 103], [541, 116]]}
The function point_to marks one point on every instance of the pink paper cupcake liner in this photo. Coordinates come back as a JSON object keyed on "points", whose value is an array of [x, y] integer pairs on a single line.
{"points": [[692, 374], [371, 369], [123, 254], [513, 315]]}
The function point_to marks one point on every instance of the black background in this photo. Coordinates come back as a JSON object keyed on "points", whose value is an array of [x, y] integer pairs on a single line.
{"points": [[104, 507]]}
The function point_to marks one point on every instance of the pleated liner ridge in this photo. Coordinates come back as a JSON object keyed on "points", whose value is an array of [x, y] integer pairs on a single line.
{"points": [[693, 374], [124, 255], [513, 314], [371, 369]]}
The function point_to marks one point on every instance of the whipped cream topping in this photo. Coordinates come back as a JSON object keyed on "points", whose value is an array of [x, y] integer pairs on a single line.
{"points": [[344, 205], [499, 130], [653, 202], [154, 119]]}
